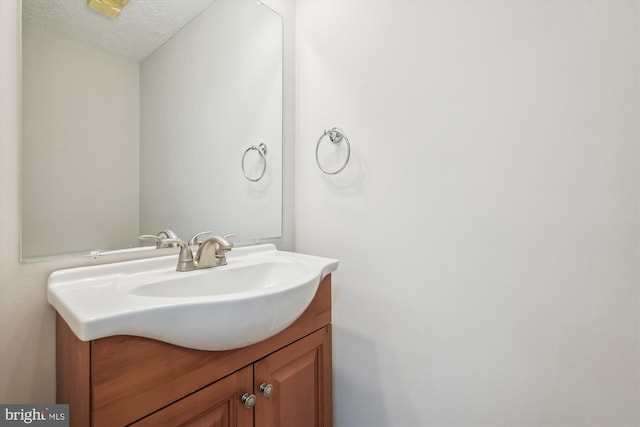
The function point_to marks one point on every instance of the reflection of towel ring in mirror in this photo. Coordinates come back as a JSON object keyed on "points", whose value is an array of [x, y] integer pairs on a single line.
{"points": [[262, 150], [335, 135]]}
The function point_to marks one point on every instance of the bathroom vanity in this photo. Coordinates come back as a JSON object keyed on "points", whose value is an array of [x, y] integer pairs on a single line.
{"points": [[121, 380]]}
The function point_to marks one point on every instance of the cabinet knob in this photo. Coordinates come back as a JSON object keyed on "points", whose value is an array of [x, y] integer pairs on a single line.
{"points": [[249, 400], [266, 389]]}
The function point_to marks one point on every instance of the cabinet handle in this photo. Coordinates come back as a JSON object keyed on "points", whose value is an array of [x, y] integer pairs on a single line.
{"points": [[249, 400], [266, 389]]}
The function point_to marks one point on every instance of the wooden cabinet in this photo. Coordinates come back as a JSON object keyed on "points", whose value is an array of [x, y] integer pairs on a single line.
{"points": [[217, 405], [124, 380], [298, 378], [300, 375]]}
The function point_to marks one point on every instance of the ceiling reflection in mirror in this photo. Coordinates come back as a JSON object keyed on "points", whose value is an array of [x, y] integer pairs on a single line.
{"points": [[150, 138]]}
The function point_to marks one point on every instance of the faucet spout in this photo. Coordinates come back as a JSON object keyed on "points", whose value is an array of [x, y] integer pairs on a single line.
{"points": [[212, 252]]}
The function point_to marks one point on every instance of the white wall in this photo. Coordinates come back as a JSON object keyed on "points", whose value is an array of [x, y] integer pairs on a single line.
{"points": [[498, 190], [238, 105], [487, 225], [27, 331], [61, 80]]}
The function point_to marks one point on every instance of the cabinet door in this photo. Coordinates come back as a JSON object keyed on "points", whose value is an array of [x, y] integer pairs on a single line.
{"points": [[217, 405], [300, 376]]}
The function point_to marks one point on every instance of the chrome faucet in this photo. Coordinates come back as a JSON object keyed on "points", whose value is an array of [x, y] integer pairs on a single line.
{"points": [[212, 252]]}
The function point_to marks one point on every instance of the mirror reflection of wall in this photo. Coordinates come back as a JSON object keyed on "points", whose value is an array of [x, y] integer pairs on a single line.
{"points": [[190, 151], [113, 148]]}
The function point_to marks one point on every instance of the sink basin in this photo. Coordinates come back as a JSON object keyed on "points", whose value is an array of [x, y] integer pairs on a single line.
{"points": [[259, 293]]}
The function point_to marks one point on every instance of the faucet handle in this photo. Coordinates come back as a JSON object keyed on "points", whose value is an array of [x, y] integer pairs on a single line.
{"points": [[185, 258], [149, 237], [194, 240], [165, 235], [152, 237], [162, 242]]}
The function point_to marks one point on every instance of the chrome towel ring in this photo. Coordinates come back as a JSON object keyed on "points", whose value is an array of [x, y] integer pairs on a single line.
{"points": [[336, 136], [262, 150]]}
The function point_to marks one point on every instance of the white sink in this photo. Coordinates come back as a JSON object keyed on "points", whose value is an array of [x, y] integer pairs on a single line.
{"points": [[259, 293]]}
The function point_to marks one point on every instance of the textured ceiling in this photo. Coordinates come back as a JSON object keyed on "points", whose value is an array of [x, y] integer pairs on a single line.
{"points": [[142, 27]]}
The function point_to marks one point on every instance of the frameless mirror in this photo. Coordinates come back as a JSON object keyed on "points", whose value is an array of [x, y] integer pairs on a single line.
{"points": [[115, 146]]}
